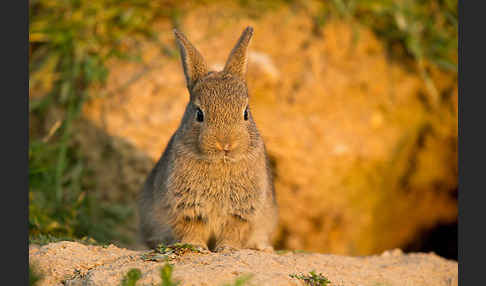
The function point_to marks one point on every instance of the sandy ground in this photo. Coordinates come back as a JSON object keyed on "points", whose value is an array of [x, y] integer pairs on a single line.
{"points": [[72, 263]]}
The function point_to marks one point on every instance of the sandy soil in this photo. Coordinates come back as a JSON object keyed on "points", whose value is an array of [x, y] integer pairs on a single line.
{"points": [[72, 263]]}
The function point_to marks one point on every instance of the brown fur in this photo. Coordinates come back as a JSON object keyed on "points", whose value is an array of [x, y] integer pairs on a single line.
{"points": [[212, 187]]}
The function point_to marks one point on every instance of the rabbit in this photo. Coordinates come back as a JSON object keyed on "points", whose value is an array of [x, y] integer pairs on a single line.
{"points": [[212, 186]]}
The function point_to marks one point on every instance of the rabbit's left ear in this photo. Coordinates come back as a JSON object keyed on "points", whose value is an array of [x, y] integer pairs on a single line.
{"points": [[238, 58]]}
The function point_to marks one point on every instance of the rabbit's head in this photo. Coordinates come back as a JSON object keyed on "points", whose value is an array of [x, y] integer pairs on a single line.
{"points": [[217, 123]]}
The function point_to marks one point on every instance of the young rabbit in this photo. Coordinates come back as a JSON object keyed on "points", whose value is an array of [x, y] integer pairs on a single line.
{"points": [[212, 187]]}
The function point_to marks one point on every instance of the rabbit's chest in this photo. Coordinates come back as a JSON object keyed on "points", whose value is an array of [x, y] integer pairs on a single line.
{"points": [[209, 192]]}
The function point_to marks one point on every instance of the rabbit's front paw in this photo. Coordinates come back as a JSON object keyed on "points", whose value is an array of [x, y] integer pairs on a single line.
{"points": [[199, 247]]}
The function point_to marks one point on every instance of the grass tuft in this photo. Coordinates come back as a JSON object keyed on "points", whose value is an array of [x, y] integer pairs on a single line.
{"points": [[240, 281], [168, 252], [176, 248], [166, 275], [131, 277], [312, 279]]}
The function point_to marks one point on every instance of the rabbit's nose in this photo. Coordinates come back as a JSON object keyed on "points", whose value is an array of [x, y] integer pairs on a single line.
{"points": [[227, 147], [224, 146]]}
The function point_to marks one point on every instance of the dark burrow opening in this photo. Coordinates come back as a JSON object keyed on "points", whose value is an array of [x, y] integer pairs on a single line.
{"points": [[441, 239]]}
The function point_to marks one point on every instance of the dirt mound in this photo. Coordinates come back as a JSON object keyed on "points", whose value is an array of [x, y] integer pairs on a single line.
{"points": [[71, 263], [364, 157]]}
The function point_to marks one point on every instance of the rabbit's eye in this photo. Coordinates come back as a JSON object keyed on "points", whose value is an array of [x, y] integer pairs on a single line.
{"points": [[245, 115], [199, 115]]}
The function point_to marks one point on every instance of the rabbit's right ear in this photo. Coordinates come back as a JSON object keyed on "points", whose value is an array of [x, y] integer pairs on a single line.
{"points": [[192, 62], [238, 58]]}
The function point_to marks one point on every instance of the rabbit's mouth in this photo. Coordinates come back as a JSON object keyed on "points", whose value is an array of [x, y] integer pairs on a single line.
{"points": [[228, 158], [225, 157]]}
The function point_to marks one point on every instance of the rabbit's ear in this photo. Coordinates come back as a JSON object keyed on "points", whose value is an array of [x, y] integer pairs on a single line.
{"points": [[238, 58], [192, 62]]}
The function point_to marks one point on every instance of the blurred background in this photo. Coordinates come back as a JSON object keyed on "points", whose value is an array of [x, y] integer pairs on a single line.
{"points": [[356, 102]]}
